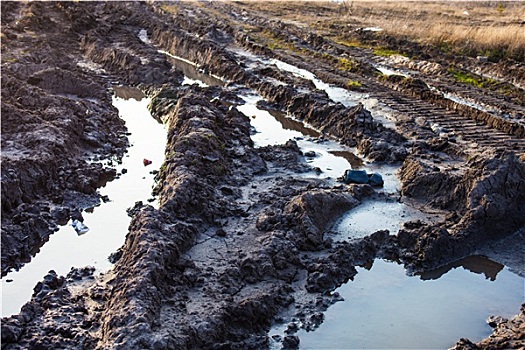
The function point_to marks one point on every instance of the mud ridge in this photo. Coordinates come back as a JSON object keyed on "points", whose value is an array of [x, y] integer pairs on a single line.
{"points": [[241, 238], [55, 117]]}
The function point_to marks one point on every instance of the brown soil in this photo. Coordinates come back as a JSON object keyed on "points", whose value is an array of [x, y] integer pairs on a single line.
{"points": [[239, 240]]}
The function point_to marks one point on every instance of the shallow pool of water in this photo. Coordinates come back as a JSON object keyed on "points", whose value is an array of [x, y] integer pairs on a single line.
{"points": [[192, 75], [390, 71], [386, 309], [329, 156], [108, 223], [336, 94], [375, 215]]}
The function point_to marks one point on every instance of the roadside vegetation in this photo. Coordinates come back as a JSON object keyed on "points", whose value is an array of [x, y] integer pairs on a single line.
{"points": [[494, 29], [474, 28]]}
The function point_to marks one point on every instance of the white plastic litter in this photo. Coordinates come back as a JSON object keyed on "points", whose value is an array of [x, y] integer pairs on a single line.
{"points": [[79, 227]]}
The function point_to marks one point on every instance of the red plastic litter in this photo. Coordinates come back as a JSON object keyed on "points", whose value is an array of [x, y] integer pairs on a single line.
{"points": [[146, 162]]}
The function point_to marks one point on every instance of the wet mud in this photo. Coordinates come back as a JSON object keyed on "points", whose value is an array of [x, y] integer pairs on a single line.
{"points": [[241, 239]]}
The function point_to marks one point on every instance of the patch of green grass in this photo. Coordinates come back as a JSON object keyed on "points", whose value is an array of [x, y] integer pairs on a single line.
{"points": [[385, 52], [275, 45], [271, 41], [471, 79], [345, 64], [350, 84], [352, 43], [500, 8]]}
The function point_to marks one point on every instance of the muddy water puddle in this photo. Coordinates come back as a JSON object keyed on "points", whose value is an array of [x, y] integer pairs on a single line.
{"points": [[386, 309], [335, 93], [191, 72], [375, 215], [328, 156], [107, 223]]}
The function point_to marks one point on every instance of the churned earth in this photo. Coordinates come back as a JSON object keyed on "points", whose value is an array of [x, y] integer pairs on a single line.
{"points": [[241, 234]]}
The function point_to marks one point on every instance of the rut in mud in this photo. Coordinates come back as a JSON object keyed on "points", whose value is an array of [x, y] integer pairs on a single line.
{"points": [[241, 234]]}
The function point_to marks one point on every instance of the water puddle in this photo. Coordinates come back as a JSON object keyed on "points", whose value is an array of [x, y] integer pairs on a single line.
{"points": [[459, 100], [332, 158], [386, 309], [269, 131], [335, 93], [375, 215], [389, 71], [108, 223], [191, 72], [372, 29]]}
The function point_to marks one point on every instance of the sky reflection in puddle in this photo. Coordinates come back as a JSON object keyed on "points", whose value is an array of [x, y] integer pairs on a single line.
{"points": [[108, 223]]}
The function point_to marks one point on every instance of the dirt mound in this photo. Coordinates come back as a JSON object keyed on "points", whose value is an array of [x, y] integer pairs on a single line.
{"points": [[488, 194], [54, 116]]}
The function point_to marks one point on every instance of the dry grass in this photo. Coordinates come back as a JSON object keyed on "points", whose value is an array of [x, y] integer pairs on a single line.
{"points": [[491, 28], [483, 27]]}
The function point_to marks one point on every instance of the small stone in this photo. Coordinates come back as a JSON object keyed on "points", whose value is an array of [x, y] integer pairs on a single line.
{"points": [[310, 154], [220, 233], [291, 342], [494, 321]]}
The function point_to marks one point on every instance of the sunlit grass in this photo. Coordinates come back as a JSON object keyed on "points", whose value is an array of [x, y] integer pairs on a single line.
{"points": [[350, 84], [385, 52], [477, 81], [474, 28]]}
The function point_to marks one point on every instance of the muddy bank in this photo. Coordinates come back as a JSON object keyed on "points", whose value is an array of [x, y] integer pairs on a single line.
{"points": [[487, 194], [163, 292], [506, 334], [352, 126], [420, 90], [239, 240], [55, 119]]}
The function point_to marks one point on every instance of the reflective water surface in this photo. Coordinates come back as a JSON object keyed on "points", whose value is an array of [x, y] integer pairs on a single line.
{"points": [[108, 223], [386, 309], [375, 215]]}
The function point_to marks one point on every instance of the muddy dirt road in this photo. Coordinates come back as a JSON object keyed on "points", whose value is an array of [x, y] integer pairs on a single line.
{"points": [[243, 233]]}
